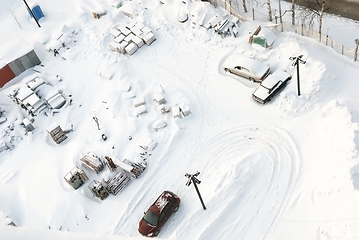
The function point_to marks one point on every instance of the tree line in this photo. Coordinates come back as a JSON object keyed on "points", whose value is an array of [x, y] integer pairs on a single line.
{"points": [[307, 12]]}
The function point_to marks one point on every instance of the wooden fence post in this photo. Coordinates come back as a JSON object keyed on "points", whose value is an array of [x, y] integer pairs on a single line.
{"points": [[356, 49], [302, 29]]}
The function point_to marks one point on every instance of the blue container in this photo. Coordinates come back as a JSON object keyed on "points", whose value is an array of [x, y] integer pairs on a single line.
{"points": [[36, 10]]}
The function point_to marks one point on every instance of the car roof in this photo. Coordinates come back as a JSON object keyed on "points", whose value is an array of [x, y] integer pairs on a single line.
{"points": [[161, 202], [271, 80], [254, 66], [261, 92]]}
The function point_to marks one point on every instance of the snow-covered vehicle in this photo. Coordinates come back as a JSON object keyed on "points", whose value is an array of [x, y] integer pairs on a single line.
{"points": [[158, 213], [271, 86], [245, 67]]}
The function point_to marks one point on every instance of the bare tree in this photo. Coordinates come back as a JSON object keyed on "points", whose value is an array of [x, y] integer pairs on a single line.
{"points": [[269, 10], [293, 12], [321, 21], [244, 6], [314, 10]]}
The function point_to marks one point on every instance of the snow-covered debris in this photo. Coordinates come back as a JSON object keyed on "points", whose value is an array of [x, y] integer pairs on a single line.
{"points": [[139, 101], [148, 144], [28, 125], [135, 169], [114, 46], [56, 133], [184, 108], [176, 112], [159, 124], [76, 177], [159, 98], [3, 147], [93, 162], [131, 48], [116, 3], [119, 38], [118, 182], [140, 110], [131, 36], [98, 189]]}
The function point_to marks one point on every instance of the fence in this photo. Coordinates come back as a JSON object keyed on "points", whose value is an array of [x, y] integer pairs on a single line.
{"points": [[309, 32], [233, 8]]}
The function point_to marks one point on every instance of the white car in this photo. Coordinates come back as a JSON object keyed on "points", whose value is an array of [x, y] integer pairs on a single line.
{"points": [[246, 67], [271, 86]]}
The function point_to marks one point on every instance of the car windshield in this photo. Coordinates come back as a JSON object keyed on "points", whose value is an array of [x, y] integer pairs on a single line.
{"points": [[151, 218]]}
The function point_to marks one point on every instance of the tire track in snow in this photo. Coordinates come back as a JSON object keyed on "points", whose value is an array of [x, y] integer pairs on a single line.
{"points": [[150, 185], [284, 158]]}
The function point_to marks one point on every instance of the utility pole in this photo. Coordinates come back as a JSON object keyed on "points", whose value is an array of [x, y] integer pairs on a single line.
{"points": [[280, 16], [32, 14], [193, 178], [296, 61]]}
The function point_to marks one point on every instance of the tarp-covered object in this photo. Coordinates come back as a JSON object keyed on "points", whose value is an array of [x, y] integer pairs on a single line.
{"points": [[261, 41], [36, 10]]}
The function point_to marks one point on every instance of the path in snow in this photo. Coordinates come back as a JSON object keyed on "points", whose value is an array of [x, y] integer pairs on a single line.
{"points": [[249, 206]]}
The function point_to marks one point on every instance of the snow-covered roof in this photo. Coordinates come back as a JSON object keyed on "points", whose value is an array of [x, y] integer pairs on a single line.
{"points": [[13, 50], [275, 77], [33, 4], [265, 87], [24, 92], [52, 127]]}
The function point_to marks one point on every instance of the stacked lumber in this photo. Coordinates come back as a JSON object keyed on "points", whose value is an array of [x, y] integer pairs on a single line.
{"points": [[118, 182], [92, 162]]}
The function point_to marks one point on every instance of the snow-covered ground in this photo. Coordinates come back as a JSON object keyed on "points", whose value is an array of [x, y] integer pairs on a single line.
{"points": [[285, 170]]}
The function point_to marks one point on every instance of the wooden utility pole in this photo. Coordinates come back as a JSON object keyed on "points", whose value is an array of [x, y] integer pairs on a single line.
{"points": [[296, 61]]}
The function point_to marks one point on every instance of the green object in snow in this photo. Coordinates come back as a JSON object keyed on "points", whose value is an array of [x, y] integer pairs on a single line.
{"points": [[261, 41]]}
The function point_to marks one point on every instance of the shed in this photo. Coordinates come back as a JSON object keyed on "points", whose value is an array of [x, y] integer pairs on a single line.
{"points": [[16, 57], [36, 10]]}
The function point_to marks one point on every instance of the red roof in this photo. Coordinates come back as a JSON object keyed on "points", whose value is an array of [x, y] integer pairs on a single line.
{"points": [[6, 74]]}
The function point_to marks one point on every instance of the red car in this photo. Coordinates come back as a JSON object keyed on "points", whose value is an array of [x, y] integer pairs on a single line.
{"points": [[158, 213]]}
